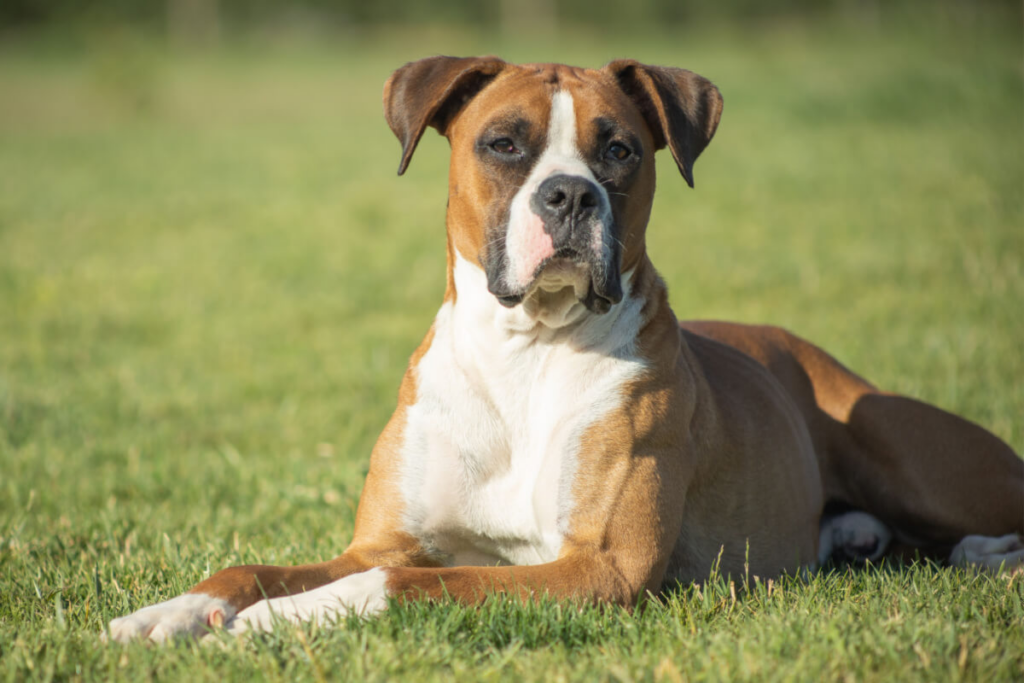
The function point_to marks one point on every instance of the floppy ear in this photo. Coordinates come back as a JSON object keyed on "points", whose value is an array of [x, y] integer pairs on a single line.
{"points": [[431, 92], [681, 107]]}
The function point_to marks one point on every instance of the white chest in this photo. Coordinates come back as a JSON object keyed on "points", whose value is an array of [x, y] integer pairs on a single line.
{"points": [[492, 442]]}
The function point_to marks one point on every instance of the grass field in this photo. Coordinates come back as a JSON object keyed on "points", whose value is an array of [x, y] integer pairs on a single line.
{"points": [[211, 280]]}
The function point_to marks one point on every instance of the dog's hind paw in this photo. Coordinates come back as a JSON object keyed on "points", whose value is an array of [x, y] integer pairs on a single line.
{"points": [[852, 537], [1003, 553], [186, 616]]}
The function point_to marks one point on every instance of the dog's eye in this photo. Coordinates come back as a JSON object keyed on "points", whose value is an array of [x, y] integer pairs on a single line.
{"points": [[618, 151], [504, 146]]}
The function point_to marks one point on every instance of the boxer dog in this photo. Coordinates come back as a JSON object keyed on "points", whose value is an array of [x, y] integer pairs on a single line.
{"points": [[558, 431]]}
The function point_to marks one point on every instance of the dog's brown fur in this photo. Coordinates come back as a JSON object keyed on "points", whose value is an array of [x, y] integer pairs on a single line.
{"points": [[730, 444]]}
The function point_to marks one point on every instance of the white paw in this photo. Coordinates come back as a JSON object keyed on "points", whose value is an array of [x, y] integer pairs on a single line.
{"points": [[364, 594], [988, 552], [853, 536], [188, 615]]}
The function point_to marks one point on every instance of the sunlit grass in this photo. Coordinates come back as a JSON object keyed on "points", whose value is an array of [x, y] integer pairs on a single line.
{"points": [[211, 280]]}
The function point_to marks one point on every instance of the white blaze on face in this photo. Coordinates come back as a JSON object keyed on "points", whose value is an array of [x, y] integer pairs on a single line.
{"points": [[526, 242]]}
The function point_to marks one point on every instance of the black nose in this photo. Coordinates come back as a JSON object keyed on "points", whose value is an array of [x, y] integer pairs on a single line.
{"points": [[564, 201]]}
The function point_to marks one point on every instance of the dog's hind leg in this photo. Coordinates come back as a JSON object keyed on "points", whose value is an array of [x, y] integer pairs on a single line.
{"points": [[932, 477], [929, 474]]}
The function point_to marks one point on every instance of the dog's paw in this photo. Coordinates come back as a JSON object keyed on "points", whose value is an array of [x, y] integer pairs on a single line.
{"points": [[852, 537], [1003, 553], [186, 616]]}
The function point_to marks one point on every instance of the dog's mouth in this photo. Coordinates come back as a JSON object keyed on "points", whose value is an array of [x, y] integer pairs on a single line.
{"points": [[595, 284]]}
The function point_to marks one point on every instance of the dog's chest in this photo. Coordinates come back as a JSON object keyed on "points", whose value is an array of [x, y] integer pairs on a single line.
{"points": [[492, 442]]}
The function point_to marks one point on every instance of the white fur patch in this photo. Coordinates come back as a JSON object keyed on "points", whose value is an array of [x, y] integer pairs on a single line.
{"points": [[854, 536], [502, 402], [987, 552], [561, 156], [184, 616], [364, 594]]}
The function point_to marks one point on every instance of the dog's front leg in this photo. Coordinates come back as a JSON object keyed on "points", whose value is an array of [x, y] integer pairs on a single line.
{"points": [[617, 548], [215, 601], [583, 576], [379, 541]]}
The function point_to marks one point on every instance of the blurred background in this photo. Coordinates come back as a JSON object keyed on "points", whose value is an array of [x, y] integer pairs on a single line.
{"points": [[209, 272]]}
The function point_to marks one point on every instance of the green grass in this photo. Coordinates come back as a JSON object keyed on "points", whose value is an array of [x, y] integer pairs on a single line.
{"points": [[211, 280]]}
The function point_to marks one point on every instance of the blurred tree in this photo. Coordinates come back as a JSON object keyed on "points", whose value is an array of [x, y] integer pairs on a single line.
{"points": [[204, 20], [193, 22]]}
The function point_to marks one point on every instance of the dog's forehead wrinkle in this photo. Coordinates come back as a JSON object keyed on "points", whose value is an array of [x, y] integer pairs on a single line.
{"points": [[513, 117], [548, 78], [553, 73]]}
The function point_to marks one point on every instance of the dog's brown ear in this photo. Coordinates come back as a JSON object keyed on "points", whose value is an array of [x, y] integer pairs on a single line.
{"points": [[431, 92], [681, 107]]}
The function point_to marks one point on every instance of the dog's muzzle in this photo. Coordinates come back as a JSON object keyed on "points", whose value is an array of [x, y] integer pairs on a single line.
{"points": [[575, 214], [568, 205]]}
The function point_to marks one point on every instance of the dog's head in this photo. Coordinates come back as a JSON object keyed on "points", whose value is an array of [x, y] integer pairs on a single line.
{"points": [[552, 167]]}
